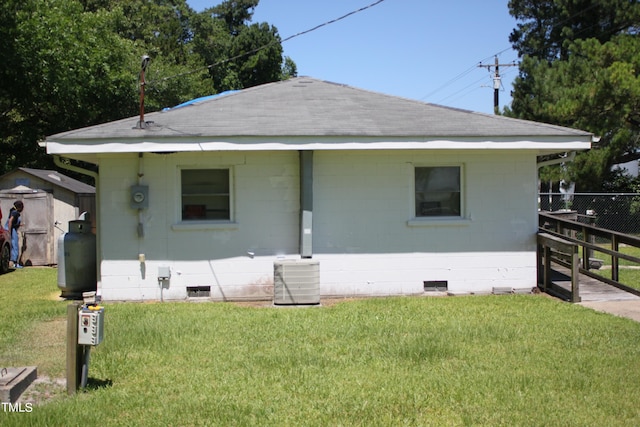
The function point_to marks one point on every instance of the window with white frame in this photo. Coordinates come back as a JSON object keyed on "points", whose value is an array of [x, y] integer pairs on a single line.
{"points": [[206, 194], [437, 191]]}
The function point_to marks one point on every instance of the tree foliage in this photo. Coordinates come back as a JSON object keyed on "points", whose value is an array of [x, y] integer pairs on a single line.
{"points": [[252, 54], [580, 68], [66, 69], [548, 27], [74, 63]]}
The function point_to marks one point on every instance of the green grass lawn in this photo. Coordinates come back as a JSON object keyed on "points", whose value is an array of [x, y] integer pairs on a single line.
{"points": [[628, 273], [628, 250], [630, 278], [518, 360]]}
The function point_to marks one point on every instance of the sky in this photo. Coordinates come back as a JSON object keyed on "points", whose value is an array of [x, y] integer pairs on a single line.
{"points": [[427, 50]]}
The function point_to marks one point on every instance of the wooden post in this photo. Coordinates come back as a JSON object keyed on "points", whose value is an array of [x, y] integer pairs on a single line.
{"points": [[575, 275], [586, 252], [539, 265], [564, 247], [547, 267], [615, 262], [74, 350]]}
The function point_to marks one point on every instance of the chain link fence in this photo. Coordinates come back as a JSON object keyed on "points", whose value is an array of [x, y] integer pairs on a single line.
{"points": [[613, 211]]}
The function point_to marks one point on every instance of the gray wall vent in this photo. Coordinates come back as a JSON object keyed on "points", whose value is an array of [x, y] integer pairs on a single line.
{"points": [[198, 291], [435, 285], [296, 282]]}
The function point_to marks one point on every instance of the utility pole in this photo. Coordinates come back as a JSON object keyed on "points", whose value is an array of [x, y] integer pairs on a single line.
{"points": [[497, 81]]}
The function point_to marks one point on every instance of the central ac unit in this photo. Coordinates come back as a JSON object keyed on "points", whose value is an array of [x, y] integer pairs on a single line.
{"points": [[296, 282]]}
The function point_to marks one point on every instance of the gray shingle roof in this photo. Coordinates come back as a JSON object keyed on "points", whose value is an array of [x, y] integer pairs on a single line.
{"points": [[60, 180], [305, 106]]}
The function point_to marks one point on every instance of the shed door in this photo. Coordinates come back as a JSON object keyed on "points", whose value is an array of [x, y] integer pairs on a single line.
{"points": [[36, 233]]}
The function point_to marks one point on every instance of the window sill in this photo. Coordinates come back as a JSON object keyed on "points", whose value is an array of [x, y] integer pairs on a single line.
{"points": [[439, 222], [204, 225]]}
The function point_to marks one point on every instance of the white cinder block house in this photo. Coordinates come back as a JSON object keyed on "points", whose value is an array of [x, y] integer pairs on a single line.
{"points": [[387, 195]]}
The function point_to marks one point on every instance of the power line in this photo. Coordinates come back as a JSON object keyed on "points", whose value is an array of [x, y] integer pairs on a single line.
{"points": [[467, 71], [453, 80], [468, 89], [473, 84], [461, 75], [333, 20], [258, 49]]}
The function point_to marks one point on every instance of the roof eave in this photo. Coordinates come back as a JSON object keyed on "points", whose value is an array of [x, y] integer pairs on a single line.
{"points": [[545, 144]]}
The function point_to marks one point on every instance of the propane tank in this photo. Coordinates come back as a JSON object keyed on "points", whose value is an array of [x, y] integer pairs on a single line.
{"points": [[77, 260]]}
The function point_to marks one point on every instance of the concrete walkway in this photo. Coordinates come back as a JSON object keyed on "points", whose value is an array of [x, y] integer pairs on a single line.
{"points": [[600, 296], [629, 308]]}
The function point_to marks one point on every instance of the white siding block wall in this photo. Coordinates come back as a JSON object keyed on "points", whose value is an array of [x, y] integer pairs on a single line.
{"points": [[367, 243], [365, 235], [265, 205]]}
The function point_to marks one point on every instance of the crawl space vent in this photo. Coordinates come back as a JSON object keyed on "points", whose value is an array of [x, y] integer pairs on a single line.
{"points": [[435, 285], [198, 291]]}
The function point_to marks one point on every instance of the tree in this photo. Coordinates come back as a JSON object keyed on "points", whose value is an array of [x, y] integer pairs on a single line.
{"points": [[66, 69], [548, 27], [289, 69], [234, 13], [264, 63], [74, 63], [580, 68], [161, 29], [240, 55]]}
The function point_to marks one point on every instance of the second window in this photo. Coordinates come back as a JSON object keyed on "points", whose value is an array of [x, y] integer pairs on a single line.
{"points": [[437, 191]]}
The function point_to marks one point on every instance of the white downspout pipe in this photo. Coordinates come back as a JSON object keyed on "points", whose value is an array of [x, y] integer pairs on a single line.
{"points": [[568, 157], [69, 166]]}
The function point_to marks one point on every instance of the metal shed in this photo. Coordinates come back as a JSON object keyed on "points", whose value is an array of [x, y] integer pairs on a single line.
{"points": [[51, 201]]}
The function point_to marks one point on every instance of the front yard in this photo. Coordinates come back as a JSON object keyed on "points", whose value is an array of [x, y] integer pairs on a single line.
{"points": [[478, 360]]}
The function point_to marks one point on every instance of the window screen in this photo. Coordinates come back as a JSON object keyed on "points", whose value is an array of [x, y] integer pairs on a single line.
{"points": [[205, 194], [437, 191]]}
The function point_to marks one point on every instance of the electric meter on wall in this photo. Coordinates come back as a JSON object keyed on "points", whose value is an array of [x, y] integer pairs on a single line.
{"points": [[139, 196]]}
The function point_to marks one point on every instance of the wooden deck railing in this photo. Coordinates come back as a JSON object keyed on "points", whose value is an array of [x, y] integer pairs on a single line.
{"points": [[585, 236], [565, 253]]}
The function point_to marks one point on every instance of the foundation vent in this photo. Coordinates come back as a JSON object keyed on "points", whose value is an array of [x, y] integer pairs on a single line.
{"points": [[198, 291], [435, 285]]}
